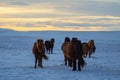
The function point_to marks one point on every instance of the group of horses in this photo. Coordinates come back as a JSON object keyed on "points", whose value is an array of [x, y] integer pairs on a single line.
{"points": [[73, 50]]}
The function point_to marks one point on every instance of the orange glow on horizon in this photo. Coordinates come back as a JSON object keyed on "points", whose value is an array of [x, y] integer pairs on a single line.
{"points": [[43, 16], [53, 28]]}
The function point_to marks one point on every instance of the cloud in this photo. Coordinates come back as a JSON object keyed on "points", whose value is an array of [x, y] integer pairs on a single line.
{"points": [[62, 15], [19, 3], [71, 23], [39, 8], [91, 7]]}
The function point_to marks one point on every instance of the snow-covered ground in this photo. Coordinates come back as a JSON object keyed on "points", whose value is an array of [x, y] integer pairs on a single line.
{"points": [[17, 60]]}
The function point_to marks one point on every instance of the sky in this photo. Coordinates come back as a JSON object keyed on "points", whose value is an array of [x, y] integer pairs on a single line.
{"points": [[60, 15]]}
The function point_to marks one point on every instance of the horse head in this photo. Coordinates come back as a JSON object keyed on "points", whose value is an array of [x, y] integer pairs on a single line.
{"points": [[67, 39], [77, 46], [52, 40], [40, 46]]}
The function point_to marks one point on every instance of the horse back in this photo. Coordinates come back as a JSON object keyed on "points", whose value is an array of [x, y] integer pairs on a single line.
{"points": [[76, 49], [47, 44], [85, 47], [66, 48], [91, 45]]}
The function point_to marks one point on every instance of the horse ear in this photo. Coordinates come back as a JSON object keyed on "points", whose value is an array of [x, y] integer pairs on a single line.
{"points": [[37, 41], [52, 39]]}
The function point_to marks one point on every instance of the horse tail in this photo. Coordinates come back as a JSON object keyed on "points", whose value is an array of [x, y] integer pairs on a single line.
{"points": [[45, 57]]}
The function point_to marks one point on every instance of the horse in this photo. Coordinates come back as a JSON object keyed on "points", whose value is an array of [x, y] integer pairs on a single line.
{"points": [[92, 47], [88, 48], [72, 52], [49, 45], [77, 54], [66, 51], [39, 52], [85, 49]]}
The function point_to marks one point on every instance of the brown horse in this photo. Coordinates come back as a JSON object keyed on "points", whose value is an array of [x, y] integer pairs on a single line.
{"points": [[39, 52], [66, 46], [92, 47], [88, 48], [85, 49], [72, 52], [49, 45]]}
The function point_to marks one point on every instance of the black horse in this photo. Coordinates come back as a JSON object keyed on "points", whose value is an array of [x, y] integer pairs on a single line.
{"points": [[77, 54], [49, 46]]}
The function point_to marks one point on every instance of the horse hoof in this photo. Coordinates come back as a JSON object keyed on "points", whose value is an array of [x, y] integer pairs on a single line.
{"points": [[35, 67], [70, 65], [79, 69], [65, 63], [74, 69], [41, 66]]}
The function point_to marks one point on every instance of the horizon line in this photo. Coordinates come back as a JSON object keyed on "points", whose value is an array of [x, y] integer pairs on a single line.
{"points": [[61, 30]]}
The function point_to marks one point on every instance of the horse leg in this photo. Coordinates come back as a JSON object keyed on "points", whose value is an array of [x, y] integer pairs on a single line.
{"points": [[90, 54], [65, 59], [85, 55], [82, 62], [47, 51], [35, 62], [94, 49], [51, 50], [40, 62], [79, 65], [70, 62], [74, 65]]}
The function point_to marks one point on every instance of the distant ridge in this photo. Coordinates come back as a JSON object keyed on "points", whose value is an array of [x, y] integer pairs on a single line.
{"points": [[1, 29]]}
